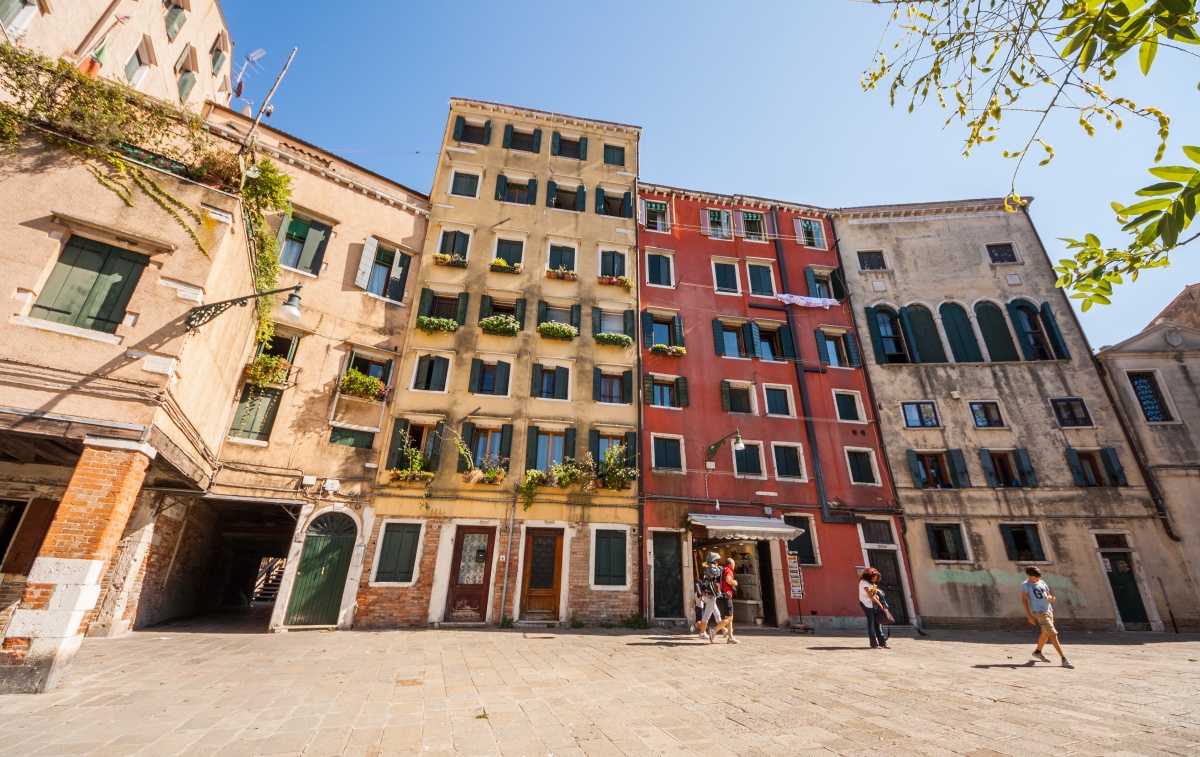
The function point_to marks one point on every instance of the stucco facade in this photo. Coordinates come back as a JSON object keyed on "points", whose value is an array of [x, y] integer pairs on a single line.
{"points": [[1005, 448], [528, 187]]}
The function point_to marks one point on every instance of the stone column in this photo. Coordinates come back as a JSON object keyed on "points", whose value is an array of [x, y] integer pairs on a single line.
{"points": [[64, 583]]}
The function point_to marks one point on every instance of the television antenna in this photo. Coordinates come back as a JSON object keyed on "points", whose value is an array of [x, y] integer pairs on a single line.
{"points": [[250, 62]]}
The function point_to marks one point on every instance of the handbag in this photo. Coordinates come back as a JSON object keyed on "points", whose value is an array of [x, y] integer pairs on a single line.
{"points": [[883, 616]]}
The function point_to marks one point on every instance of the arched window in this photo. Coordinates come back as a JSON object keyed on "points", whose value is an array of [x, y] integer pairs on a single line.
{"points": [[886, 336], [335, 525], [960, 334], [922, 335], [995, 332], [1037, 331]]}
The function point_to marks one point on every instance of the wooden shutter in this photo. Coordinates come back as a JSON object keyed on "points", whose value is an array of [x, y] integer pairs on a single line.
{"points": [[501, 183], [1024, 467], [531, 442], [851, 350], [503, 370], [460, 243], [105, 306], [934, 551], [989, 470], [876, 336], [460, 312], [1010, 545], [435, 452], [535, 380], [755, 340], [996, 335], [1056, 337], [555, 141], [958, 468], [508, 134], [366, 262], [27, 540], [468, 438], [398, 552], [583, 148], [569, 443], [1014, 314], [594, 447], [811, 278], [726, 402], [630, 324], [836, 289], [424, 365], [487, 131], [175, 20], [437, 381], [597, 377], [769, 225], [599, 200], [476, 374], [627, 205], [1076, 467], [914, 468], [485, 306], [681, 392], [627, 387], [704, 227], [460, 123], [562, 382], [925, 334], [531, 198], [678, 331], [1112, 465], [519, 312], [960, 334], [738, 227], [718, 336], [609, 558], [255, 413], [568, 258], [648, 388], [914, 352], [387, 372], [555, 257], [596, 315], [580, 198], [647, 329], [576, 315], [537, 140], [551, 193], [399, 442], [506, 434], [425, 304], [1035, 542], [398, 277], [619, 263], [822, 347], [541, 312], [786, 344], [313, 251]]}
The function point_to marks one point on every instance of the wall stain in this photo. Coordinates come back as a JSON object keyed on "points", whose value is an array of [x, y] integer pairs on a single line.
{"points": [[1063, 588]]}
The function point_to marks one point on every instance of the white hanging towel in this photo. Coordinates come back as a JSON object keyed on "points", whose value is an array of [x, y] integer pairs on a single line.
{"points": [[806, 302]]}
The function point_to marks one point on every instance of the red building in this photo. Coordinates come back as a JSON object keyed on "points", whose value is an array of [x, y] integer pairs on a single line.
{"points": [[759, 439]]}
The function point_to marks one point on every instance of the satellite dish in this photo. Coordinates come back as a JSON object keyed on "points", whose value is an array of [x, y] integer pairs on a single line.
{"points": [[237, 88]]}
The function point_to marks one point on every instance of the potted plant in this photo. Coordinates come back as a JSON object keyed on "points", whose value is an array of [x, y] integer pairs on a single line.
{"points": [[500, 265], [528, 488], [431, 325], [358, 384], [562, 273], [501, 325], [614, 340], [556, 330], [613, 473], [415, 468], [571, 472], [454, 261], [265, 370], [670, 350]]}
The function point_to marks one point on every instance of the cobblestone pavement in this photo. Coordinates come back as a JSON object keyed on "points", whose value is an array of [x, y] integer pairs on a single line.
{"points": [[185, 689]]}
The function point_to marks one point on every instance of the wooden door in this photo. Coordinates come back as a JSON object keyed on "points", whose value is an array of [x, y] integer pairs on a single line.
{"points": [[542, 583], [471, 574], [321, 576], [668, 574], [1119, 566], [888, 565]]}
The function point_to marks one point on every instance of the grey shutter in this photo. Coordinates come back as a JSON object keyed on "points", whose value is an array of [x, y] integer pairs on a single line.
{"points": [[600, 200], [1025, 468], [531, 199], [562, 382], [876, 336], [681, 392], [1014, 314], [726, 402], [537, 140], [718, 336], [519, 312], [1112, 465], [576, 315], [485, 306], [460, 123], [435, 453], [398, 277], [468, 438], [104, 308], [647, 329], [285, 221], [989, 470], [594, 447], [785, 342], [812, 282], [1010, 546], [580, 199], [648, 389], [460, 313], [503, 370], [630, 324], [487, 131], [958, 468], [678, 331], [476, 372], [583, 148], [597, 377], [555, 140], [1056, 337], [366, 262], [914, 354], [313, 251], [822, 347], [627, 387], [501, 186], [425, 304], [551, 193], [569, 444], [631, 449], [531, 442], [852, 350], [1076, 467], [440, 367], [914, 468], [934, 552], [535, 380], [738, 228], [704, 227], [541, 315], [508, 132], [398, 443], [627, 205], [506, 432]]}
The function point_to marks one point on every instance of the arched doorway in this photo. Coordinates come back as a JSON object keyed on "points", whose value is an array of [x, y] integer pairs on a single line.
{"points": [[321, 577]]}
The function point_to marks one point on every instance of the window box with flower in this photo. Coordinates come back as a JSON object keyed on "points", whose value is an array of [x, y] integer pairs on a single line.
{"points": [[622, 281], [614, 340], [354, 383], [500, 265], [415, 468], [669, 350], [265, 370], [431, 324], [500, 325], [562, 273], [453, 261], [555, 330]]}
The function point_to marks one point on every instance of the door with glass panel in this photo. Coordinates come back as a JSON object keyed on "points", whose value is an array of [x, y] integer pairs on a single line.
{"points": [[471, 574]]}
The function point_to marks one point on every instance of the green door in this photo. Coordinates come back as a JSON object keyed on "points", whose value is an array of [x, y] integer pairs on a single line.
{"points": [[321, 577], [1119, 566]]}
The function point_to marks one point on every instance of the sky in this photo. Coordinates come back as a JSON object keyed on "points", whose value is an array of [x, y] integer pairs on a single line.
{"points": [[760, 98]]}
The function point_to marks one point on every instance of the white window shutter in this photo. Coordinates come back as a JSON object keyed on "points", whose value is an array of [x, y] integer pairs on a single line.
{"points": [[704, 229], [737, 223], [642, 212], [799, 230], [363, 277]]}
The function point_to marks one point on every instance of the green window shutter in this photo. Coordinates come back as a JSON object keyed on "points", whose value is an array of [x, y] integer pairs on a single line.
{"points": [[1056, 337], [995, 332], [387, 372], [569, 443], [440, 367], [925, 333], [460, 244], [555, 257], [958, 468], [785, 342], [811, 278], [594, 446], [630, 324], [618, 263], [597, 377], [503, 370], [460, 313], [1025, 467], [569, 258], [424, 365], [255, 413], [1035, 542], [914, 351], [576, 315], [647, 329], [313, 251], [562, 382], [485, 306], [681, 392], [446, 247], [914, 468], [934, 552], [1010, 546], [718, 336], [535, 380], [476, 373], [627, 387], [756, 339], [631, 449], [501, 186], [555, 139], [175, 20], [425, 305], [487, 132], [679, 331], [506, 433], [508, 132], [1112, 465], [600, 560], [537, 140], [822, 347], [435, 453], [600, 200], [541, 312], [835, 285], [399, 277], [468, 438], [531, 199], [726, 402], [596, 315], [1076, 467], [627, 205], [104, 308], [989, 470], [960, 334], [531, 442], [876, 337], [187, 80], [1014, 314], [852, 350], [399, 442], [648, 389], [580, 199], [551, 193], [583, 148], [398, 552], [460, 123]]}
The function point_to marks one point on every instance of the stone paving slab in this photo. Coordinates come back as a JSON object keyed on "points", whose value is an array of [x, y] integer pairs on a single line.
{"points": [[192, 689]]}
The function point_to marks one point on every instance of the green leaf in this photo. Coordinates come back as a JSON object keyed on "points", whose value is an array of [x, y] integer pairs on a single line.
{"points": [[1145, 207], [1192, 152], [1162, 188], [1093, 240], [1174, 173], [1146, 53]]}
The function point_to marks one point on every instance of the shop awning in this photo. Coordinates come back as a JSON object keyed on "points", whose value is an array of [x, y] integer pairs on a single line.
{"points": [[743, 527]]}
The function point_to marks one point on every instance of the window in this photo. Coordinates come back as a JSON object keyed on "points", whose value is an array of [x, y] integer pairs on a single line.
{"points": [[549, 449], [486, 446], [516, 192], [1071, 412], [11, 513], [1003, 468], [303, 245], [663, 330], [444, 306], [614, 155], [753, 227], [606, 441], [454, 243], [931, 471], [987, 415], [819, 284], [871, 261], [573, 198], [185, 72], [810, 232], [397, 558], [877, 532], [920, 414], [551, 382], [847, 406], [90, 285], [1099, 467], [525, 141], [15, 15], [217, 54], [617, 206], [1150, 397], [1112, 541], [137, 66], [862, 466], [389, 272], [1002, 253], [996, 335], [609, 558], [174, 20], [464, 184], [739, 398], [771, 344], [658, 270], [562, 258], [280, 345], [725, 275], [255, 414], [1022, 542], [429, 374], [566, 147], [370, 367], [425, 439], [731, 340], [611, 322], [1031, 332], [610, 388], [500, 307], [612, 263], [779, 401], [748, 461], [762, 282], [894, 350], [668, 453], [946, 542], [490, 378], [788, 463], [837, 349], [476, 134], [803, 544], [716, 224], [511, 251], [664, 394], [657, 218], [346, 437], [557, 315]]}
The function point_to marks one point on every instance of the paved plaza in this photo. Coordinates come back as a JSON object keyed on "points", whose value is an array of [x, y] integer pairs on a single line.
{"points": [[189, 689]]}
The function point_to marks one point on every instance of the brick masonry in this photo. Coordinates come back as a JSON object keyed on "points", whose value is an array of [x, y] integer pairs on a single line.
{"points": [[398, 606]]}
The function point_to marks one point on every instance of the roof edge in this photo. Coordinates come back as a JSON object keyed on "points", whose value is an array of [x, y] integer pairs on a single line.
{"points": [[548, 113]]}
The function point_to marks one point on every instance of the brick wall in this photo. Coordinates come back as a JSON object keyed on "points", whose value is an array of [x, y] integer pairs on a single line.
{"points": [[398, 606], [11, 590], [95, 507], [174, 578], [594, 607]]}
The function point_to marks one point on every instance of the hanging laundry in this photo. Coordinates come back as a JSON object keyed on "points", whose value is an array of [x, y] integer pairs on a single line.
{"points": [[806, 302]]}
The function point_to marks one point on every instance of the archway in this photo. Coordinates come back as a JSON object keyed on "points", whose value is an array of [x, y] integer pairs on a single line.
{"points": [[321, 576]]}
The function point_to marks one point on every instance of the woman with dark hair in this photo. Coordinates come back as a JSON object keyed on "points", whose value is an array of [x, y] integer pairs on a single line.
{"points": [[868, 599]]}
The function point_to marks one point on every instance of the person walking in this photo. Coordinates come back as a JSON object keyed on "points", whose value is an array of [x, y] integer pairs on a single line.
{"points": [[708, 615], [728, 584], [1036, 597], [868, 599]]}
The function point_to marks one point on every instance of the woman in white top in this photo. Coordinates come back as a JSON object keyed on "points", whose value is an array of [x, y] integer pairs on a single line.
{"points": [[868, 599]]}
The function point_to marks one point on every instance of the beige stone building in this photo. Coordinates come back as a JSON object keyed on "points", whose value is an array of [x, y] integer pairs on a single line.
{"points": [[1005, 447], [521, 351], [1153, 376], [178, 50]]}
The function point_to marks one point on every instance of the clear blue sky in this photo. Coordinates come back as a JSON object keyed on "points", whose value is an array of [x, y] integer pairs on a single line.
{"points": [[762, 98]]}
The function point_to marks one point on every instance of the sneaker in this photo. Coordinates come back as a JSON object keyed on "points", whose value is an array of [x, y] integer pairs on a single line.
{"points": [[732, 640], [1038, 655], [1067, 664]]}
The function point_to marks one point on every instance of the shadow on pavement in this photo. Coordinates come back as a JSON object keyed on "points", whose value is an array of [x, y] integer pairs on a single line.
{"points": [[232, 620]]}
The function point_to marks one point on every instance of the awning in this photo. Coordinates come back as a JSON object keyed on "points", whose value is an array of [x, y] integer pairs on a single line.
{"points": [[742, 527]]}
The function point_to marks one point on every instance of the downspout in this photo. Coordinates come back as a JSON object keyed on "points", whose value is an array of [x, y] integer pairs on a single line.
{"points": [[512, 522], [641, 383], [805, 405], [95, 30]]}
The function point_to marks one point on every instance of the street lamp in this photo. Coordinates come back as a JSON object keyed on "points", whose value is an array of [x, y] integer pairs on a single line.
{"points": [[202, 314], [738, 446]]}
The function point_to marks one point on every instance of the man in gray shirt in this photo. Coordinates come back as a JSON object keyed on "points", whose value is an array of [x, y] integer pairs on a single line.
{"points": [[1036, 597]]}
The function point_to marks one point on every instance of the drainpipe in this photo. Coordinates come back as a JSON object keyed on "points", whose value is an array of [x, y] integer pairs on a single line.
{"points": [[512, 522], [637, 456], [805, 405]]}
